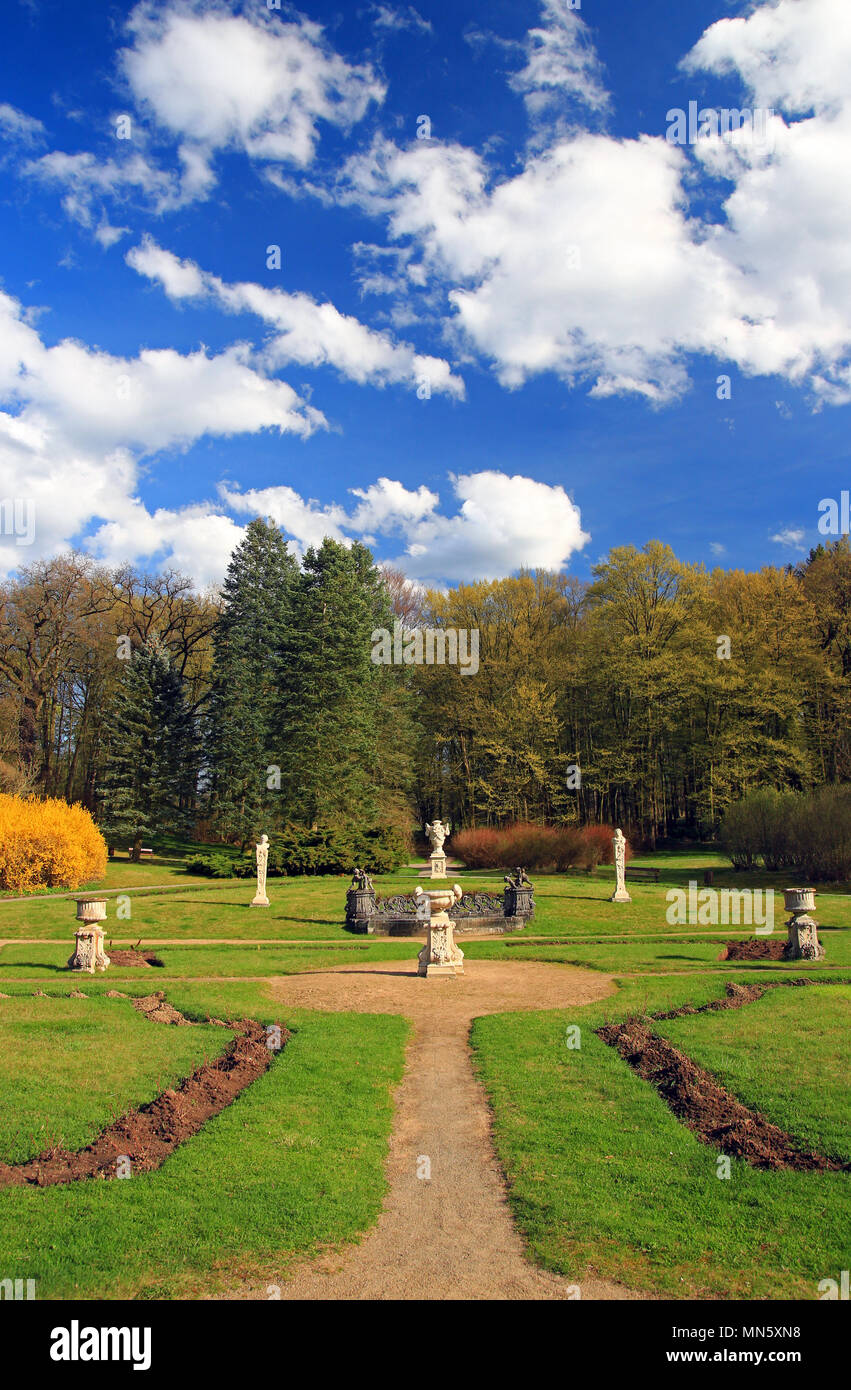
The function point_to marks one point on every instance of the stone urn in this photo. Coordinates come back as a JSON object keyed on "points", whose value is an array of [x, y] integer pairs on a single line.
{"points": [[799, 899], [89, 954], [440, 955], [802, 941]]}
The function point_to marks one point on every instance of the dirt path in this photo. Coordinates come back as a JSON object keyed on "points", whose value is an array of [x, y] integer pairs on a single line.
{"points": [[451, 1236]]}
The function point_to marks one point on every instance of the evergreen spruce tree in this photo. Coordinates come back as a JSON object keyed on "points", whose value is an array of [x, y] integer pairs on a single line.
{"points": [[147, 785], [242, 749], [329, 718]]}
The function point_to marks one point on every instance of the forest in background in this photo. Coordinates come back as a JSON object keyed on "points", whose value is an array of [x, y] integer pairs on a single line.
{"points": [[652, 697]]}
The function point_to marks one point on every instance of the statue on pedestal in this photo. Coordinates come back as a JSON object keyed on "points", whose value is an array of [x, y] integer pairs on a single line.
{"points": [[620, 894], [360, 897], [518, 896], [260, 899]]}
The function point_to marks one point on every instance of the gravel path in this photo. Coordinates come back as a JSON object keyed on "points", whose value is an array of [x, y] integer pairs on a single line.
{"points": [[451, 1236]]}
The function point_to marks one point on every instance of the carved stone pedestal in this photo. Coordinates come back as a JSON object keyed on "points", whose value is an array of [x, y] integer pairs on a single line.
{"points": [[440, 955], [89, 954], [802, 942], [438, 864], [360, 903]]}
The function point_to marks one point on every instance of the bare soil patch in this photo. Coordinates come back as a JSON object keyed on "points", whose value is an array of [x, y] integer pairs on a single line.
{"points": [[696, 1098], [148, 1135], [753, 950], [157, 1009], [132, 957], [736, 997]]}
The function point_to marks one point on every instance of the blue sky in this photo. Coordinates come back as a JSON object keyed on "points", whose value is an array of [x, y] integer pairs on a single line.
{"points": [[495, 346]]}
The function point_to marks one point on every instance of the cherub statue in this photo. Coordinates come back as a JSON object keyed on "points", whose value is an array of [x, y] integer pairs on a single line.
{"points": [[362, 882], [521, 879]]}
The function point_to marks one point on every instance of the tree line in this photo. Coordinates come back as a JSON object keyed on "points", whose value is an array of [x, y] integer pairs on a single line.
{"points": [[651, 697]]}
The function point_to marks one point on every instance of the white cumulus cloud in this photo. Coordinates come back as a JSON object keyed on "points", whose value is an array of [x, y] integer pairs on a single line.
{"points": [[304, 331]]}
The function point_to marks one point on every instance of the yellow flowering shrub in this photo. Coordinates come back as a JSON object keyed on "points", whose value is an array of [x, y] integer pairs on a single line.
{"points": [[47, 844]]}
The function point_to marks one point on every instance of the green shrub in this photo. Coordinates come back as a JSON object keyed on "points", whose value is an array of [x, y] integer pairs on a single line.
{"points": [[808, 832], [324, 850], [211, 866]]}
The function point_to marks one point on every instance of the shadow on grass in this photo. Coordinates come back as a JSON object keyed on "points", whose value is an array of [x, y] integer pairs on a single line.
{"points": [[31, 966]]}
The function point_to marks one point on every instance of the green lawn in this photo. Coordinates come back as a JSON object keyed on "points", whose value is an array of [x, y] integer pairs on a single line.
{"points": [[788, 1055], [313, 908], [68, 1067], [295, 1164], [665, 955], [604, 1180], [45, 963]]}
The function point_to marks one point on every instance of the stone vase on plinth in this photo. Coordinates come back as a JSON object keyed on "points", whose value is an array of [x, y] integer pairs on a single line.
{"points": [[802, 941], [440, 955], [89, 954], [436, 833]]}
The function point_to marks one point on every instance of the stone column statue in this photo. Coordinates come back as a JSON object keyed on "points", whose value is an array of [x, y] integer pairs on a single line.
{"points": [[437, 832], [260, 899], [620, 894]]}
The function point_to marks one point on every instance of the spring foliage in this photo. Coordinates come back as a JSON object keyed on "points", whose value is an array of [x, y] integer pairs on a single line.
{"points": [[47, 844]]}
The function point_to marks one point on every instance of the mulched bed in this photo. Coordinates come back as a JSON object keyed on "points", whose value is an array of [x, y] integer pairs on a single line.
{"points": [[148, 1135], [754, 950], [696, 1098], [134, 957], [736, 997]]}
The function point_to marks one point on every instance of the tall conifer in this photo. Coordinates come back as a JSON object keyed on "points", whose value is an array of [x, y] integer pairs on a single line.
{"points": [[243, 748]]}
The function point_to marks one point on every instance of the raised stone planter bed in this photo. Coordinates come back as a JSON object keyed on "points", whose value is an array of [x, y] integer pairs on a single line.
{"points": [[476, 914]]}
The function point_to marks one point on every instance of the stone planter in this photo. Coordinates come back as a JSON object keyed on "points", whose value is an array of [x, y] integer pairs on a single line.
{"points": [[799, 899], [89, 954], [802, 941], [440, 955]]}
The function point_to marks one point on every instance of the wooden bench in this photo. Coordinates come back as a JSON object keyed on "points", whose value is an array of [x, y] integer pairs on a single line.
{"points": [[145, 853], [642, 871]]}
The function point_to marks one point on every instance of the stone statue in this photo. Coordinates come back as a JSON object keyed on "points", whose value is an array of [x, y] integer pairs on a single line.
{"points": [[520, 880], [260, 899], [361, 881], [620, 894]]}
